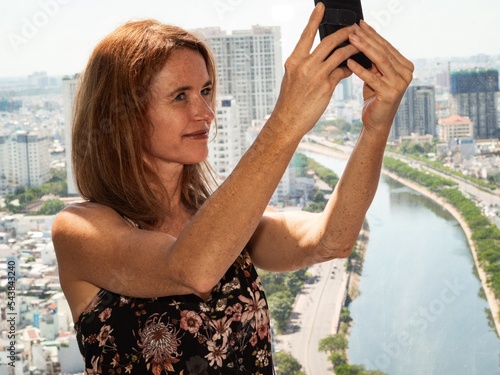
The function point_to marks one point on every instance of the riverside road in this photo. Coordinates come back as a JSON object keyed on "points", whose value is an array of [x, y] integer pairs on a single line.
{"points": [[315, 316]]}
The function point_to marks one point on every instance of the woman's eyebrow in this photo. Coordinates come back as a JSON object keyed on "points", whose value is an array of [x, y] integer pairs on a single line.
{"points": [[187, 88]]}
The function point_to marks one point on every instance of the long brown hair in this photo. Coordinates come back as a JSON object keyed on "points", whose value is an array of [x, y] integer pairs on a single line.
{"points": [[111, 130]]}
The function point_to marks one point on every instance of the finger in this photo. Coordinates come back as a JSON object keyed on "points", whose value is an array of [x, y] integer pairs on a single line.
{"points": [[370, 45], [379, 51], [338, 75], [364, 74], [370, 31], [390, 88], [306, 39], [371, 78], [339, 56], [331, 42]]}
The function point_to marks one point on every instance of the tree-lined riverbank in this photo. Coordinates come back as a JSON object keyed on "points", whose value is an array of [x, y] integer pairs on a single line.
{"points": [[493, 302]]}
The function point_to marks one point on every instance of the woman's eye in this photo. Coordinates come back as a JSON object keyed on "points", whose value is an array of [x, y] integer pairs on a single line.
{"points": [[180, 97], [206, 91]]}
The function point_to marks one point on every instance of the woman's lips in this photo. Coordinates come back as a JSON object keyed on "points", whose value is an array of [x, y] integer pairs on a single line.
{"points": [[202, 134]]}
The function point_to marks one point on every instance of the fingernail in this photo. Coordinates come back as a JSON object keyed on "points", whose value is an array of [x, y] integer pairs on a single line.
{"points": [[363, 24]]}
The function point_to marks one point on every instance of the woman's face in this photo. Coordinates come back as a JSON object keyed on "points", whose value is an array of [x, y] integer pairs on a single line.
{"points": [[180, 110]]}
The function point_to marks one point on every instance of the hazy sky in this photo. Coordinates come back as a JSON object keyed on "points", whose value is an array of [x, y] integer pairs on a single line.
{"points": [[57, 36]]}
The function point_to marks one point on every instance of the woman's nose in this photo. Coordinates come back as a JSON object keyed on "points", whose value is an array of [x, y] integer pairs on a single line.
{"points": [[204, 109]]}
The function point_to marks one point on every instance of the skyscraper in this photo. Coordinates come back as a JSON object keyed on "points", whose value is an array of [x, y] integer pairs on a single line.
{"points": [[69, 87], [225, 148], [28, 162], [474, 95], [417, 113], [3, 164], [249, 67]]}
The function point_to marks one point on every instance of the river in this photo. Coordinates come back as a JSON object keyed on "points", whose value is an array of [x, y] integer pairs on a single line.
{"points": [[421, 309]]}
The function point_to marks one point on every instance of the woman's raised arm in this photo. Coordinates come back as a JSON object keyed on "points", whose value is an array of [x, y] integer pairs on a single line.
{"points": [[290, 241]]}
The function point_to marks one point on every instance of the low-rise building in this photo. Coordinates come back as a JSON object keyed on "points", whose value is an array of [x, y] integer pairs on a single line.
{"points": [[455, 127]]}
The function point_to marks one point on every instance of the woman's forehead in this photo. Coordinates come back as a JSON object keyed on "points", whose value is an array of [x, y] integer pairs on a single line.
{"points": [[182, 66]]}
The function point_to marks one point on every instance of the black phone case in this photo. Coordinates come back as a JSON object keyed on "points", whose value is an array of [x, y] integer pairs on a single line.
{"points": [[339, 14]]}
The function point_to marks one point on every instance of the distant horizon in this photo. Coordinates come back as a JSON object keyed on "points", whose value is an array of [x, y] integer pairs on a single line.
{"points": [[415, 60]]}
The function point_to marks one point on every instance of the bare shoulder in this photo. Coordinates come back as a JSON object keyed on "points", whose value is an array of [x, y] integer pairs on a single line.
{"points": [[84, 226], [86, 211], [80, 218]]}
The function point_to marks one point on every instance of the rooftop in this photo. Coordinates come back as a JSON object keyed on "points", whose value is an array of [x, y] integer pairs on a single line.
{"points": [[455, 120]]}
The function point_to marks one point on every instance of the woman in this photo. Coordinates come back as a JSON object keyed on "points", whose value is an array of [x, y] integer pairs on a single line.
{"points": [[158, 272]]}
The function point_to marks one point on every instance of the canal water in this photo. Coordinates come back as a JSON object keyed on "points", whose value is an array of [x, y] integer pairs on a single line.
{"points": [[421, 310]]}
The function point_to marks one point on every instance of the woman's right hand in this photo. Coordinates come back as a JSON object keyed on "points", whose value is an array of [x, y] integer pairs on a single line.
{"points": [[310, 78]]}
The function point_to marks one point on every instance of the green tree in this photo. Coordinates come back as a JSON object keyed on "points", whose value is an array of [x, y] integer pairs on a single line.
{"points": [[295, 280], [318, 197], [354, 261], [333, 343], [287, 364], [337, 359], [345, 315], [58, 175], [346, 369], [323, 173], [273, 282], [51, 207], [280, 305], [315, 207]]}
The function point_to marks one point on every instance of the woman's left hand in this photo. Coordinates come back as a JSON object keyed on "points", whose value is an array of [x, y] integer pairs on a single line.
{"points": [[387, 80]]}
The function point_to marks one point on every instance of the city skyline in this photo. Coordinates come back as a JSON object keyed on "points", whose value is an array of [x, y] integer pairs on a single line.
{"points": [[55, 36]]}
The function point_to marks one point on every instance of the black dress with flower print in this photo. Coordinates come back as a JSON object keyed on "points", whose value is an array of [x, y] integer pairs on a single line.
{"points": [[227, 334]]}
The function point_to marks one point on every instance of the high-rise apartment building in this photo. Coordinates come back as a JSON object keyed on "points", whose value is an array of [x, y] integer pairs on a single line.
{"points": [[250, 69], [344, 90], [443, 79], [69, 87], [3, 164], [225, 147], [417, 113], [27, 159], [474, 94]]}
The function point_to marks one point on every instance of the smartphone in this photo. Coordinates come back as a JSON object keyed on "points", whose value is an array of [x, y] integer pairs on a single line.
{"points": [[339, 14]]}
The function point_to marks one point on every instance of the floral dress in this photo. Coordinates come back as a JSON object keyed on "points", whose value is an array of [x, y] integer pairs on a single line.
{"points": [[227, 334]]}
